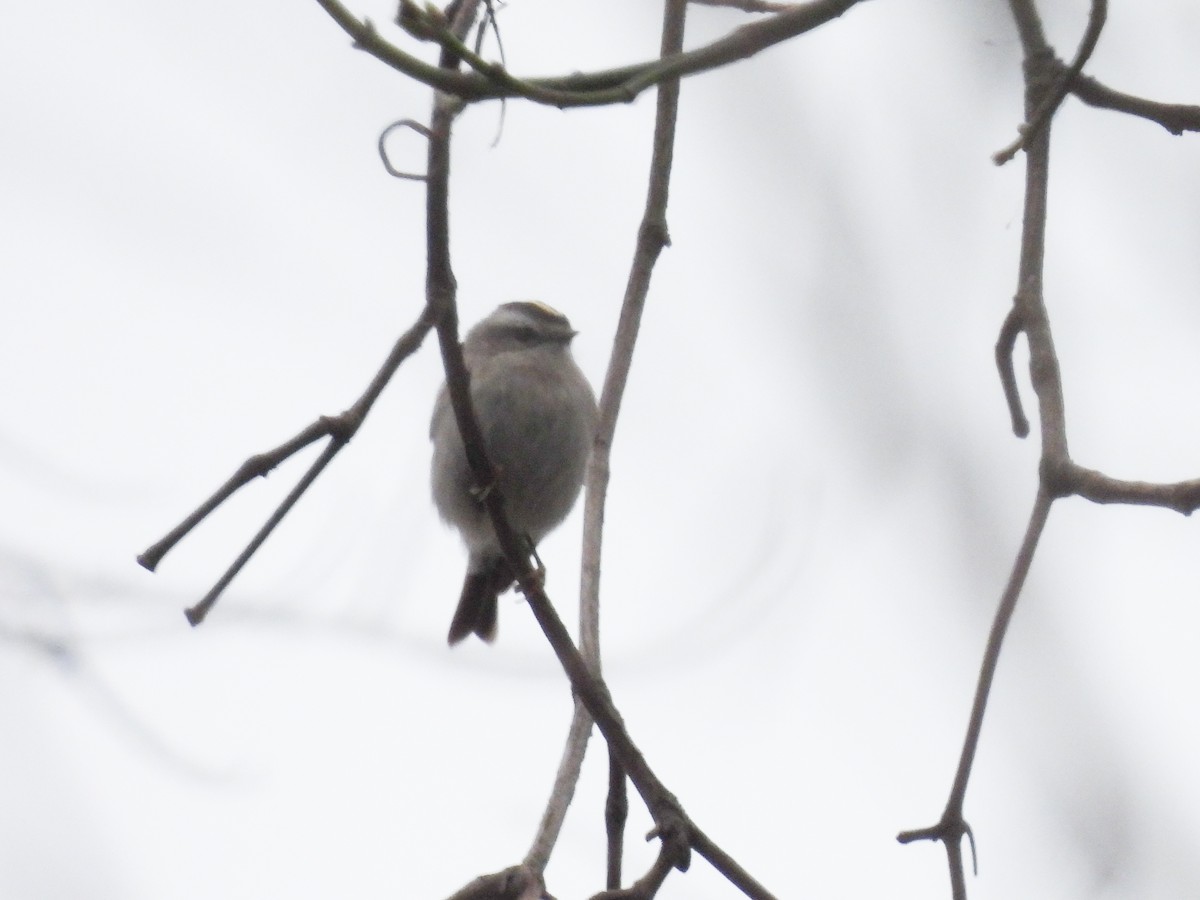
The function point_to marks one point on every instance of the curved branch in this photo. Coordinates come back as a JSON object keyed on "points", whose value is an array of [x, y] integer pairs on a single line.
{"points": [[1005, 345], [381, 145], [603, 88], [651, 240], [646, 887], [616, 814]]}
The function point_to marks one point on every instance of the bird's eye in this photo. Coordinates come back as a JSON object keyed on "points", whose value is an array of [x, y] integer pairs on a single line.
{"points": [[525, 335]]}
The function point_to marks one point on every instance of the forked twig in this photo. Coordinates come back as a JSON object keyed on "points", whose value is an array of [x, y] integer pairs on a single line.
{"points": [[951, 828], [1051, 101], [1059, 475], [339, 429]]}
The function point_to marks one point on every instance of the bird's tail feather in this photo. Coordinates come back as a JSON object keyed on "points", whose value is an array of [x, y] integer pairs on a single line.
{"points": [[477, 606]]}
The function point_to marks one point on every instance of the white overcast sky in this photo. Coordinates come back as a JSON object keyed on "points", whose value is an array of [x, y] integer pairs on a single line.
{"points": [[815, 502]]}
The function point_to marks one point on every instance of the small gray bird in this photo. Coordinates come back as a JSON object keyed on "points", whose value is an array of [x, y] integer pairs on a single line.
{"points": [[537, 415]]}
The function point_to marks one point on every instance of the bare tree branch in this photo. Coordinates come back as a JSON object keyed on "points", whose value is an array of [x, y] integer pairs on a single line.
{"points": [[750, 6], [652, 237], [514, 883], [1054, 98], [1181, 496], [672, 827], [1029, 312], [649, 245], [1059, 476], [339, 429], [616, 814], [621, 85], [1175, 117], [952, 826], [440, 293], [563, 790], [1048, 80], [1005, 345], [728, 866]]}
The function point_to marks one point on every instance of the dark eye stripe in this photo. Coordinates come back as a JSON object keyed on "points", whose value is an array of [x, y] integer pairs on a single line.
{"points": [[526, 334]]}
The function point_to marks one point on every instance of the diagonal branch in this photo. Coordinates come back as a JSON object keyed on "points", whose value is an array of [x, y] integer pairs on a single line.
{"points": [[951, 828], [339, 429], [653, 236]]}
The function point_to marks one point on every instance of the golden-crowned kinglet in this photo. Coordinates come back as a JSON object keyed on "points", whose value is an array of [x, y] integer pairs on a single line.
{"points": [[537, 415]]}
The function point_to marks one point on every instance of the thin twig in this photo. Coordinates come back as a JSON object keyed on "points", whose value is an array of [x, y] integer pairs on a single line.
{"points": [[952, 826], [1175, 117], [750, 6], [427, 22], [563, 790], [411, 125], [197, 613], [339, 429], [1050, 102], [602, 88], [616, 814], [653, 236], [1046, 82], [728, 866], [649, 246], [367, 39], [257, 466], [1005, 345], [672, 827], [440, 295]]}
